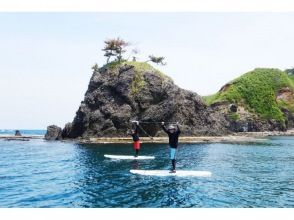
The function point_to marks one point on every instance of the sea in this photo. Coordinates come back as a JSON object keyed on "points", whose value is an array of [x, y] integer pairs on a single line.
{"points": [[22, 131], [39, 173]]}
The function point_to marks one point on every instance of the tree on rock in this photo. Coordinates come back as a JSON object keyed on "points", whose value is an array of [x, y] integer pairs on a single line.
{"points": [[115, 48], [157, 60]]}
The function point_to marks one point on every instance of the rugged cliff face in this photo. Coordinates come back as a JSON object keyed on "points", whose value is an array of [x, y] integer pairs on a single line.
{"points": [[119, 93]]}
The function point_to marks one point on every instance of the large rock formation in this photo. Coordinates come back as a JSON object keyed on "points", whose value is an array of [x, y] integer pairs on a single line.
{"points": [[53, 133], [119, 93]]}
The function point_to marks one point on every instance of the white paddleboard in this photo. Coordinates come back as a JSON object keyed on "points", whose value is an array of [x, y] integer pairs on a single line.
{"points": [[167, 173], [125, 157]]}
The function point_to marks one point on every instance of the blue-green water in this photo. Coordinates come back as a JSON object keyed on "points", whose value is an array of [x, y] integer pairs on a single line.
{"points": [[58, 174], [22, 131]]}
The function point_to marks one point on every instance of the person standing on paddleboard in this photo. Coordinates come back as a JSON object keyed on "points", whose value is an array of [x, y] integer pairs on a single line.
{"points": [[173, 135], [136, 138]]}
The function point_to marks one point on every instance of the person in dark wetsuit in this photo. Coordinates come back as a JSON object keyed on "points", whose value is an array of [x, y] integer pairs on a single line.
{"points": [[136, 138], [173, 135]]}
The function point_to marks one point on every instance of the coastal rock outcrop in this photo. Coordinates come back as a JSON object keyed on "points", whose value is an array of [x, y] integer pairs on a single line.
{"points": [[17, 133], [53, 133], [260, 100], [238, 119], [121, 92]]}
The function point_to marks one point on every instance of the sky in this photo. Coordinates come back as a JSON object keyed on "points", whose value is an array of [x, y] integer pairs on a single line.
{"points": [[46, 58]]}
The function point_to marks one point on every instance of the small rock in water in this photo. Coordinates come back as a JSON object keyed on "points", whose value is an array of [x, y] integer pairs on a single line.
{"points": [[17, 133]]}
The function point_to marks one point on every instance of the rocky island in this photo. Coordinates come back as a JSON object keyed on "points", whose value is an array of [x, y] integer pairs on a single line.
{"points": [[122, 91]]}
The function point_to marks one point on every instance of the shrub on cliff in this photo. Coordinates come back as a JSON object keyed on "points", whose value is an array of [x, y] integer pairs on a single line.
{"points": [[157, 60], [116, 47]]}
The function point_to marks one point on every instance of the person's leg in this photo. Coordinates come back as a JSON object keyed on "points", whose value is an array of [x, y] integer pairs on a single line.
{"points": [[137, 148], [173, 158], [174, 164]]}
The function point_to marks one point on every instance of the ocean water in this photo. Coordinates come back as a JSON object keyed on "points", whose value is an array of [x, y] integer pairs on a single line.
{"points": [[38, 173], [22, 131]]}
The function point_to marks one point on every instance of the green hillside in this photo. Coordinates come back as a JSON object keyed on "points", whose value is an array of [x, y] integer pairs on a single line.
{"points": [[140, 67], [261, 91]]}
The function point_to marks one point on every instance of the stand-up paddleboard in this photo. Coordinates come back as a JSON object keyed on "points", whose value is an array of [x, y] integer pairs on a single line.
{"points": [[167, 173], [125, 157]]}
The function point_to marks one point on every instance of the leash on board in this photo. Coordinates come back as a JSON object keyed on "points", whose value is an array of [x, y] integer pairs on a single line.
{"points": [[148, 122], [145, 132]]}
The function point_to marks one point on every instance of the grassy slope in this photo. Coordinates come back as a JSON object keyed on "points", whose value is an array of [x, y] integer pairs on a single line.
{"points": [[257, 90], [140, 67]]}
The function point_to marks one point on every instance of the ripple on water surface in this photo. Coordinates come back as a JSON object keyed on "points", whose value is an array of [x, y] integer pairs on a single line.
{"points": [[57, 174]]}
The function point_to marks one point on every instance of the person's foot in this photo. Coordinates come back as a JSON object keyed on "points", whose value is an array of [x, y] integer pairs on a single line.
{"points": [[136, 155], [172, 171]]}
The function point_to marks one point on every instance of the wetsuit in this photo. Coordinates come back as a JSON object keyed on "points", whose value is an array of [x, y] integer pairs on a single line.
{"points": [[173, 143], [136, 140]]}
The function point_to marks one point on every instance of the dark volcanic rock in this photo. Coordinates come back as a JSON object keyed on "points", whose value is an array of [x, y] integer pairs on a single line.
{"points": [[123, 93], [233, 108], [53, 133], [66, 130], [238, 119], [17, 133]]}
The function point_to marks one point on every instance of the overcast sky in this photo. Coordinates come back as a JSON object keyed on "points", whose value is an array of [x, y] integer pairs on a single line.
{"points": [[46, 58]]}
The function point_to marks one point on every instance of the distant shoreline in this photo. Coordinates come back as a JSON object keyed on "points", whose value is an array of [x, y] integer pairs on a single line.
{"points": [[242, 137]]}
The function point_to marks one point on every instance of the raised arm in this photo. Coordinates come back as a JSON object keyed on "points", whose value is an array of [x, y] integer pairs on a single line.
{"points": [[164, 128], [178, 129], [136, 127]]}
